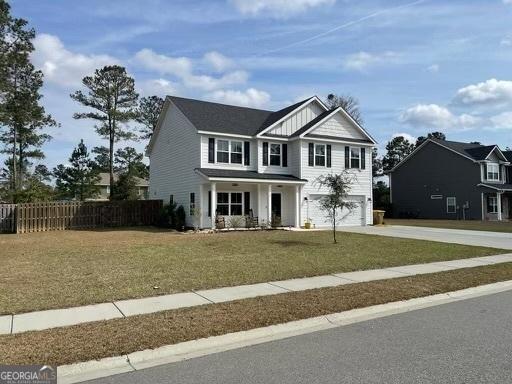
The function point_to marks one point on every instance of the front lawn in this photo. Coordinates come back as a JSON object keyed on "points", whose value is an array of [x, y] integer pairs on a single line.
{"points": [[71, 268], [474, 225]]}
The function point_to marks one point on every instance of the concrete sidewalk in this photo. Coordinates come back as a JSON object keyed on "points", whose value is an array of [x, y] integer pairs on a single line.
{"points": [[76, 315]]}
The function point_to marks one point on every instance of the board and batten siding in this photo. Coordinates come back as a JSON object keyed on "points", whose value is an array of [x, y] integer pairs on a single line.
{"points": [[361, 188], [297, 120], [173, 158], [338, 126], [204, 154]]}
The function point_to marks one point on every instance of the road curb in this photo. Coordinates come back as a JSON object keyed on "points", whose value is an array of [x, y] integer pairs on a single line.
{"points": [[74, 373]]}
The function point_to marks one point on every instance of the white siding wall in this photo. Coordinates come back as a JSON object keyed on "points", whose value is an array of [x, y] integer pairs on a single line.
{"points": [[175, 154], [298, 120], [204, 154], [338, 126], [272, 168], [362, 187]]}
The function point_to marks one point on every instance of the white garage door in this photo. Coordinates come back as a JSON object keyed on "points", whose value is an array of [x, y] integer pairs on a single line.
{"points": [[346, 218]]}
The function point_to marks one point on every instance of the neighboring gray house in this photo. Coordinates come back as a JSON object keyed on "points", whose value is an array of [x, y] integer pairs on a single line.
{"points": [[453, 180], [234, 161], [104, 187]]}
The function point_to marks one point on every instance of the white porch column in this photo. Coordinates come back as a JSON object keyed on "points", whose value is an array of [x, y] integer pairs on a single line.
{"points": [[214, 203], [498, 198], [199, 204], [257, 211], [297, 206], [269, 204]]}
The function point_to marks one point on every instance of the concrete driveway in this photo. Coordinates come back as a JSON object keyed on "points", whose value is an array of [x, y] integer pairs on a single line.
{"points": [[458, 236]]}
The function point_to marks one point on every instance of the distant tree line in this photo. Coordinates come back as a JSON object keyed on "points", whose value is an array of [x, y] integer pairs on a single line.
{"points": [[112, 103]]}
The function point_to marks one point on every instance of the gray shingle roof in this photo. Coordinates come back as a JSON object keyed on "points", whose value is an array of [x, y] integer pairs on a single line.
{"points": [[239, 174], [508, 155], [105, 180], [222, 118], [474, 151]]}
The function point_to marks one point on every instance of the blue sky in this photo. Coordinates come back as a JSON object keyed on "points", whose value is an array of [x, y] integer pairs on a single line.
{"points": [[414, 66]]}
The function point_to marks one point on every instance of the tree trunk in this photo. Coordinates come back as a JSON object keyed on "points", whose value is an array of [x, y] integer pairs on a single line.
{"points": [[20, 165], [14, 174], [111, 165], [334, 225]]}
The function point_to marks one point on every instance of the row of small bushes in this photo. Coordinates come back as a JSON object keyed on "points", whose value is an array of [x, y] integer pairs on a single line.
{"points": [[172, 216]]}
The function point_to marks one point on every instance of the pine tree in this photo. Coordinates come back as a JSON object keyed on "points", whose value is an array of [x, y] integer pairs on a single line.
{"points": [[111, 93], [22, 118], [78, 180], [147, 114], [128, 160]]}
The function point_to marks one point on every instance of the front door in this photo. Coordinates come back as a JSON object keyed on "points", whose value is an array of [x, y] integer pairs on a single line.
{"points": [[276, 204]]}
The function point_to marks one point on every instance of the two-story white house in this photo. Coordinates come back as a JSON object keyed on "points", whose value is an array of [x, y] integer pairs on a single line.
{"points": [[235, 161]]}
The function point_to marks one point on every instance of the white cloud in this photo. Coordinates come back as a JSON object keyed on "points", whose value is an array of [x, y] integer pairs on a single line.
{"points": [[502, 121], [160, 87], [433, 116], [249, 98], [507, 1], [490, 92], [362, 61], [434, 68], [62, 66], [279, 8], [178, 66], [410, 138], [218, 61], [506, 41], [183, 68]]}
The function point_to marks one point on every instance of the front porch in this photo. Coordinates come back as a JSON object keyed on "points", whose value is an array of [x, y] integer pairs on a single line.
{"points": [[233, 202], [497, 205]]}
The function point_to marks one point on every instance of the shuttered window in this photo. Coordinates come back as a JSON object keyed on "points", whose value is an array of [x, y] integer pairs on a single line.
{"points": [[329, 160], [285, 155], [211, 150], [347, 157], [363, 158], [311, 154], [247, 153], [265, 153]]}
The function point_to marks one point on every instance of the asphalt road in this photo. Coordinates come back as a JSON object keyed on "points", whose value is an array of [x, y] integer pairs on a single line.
{"points": [[464, 342], [458, 236]]}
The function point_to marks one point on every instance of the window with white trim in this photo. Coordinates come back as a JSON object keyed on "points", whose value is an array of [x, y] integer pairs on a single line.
{"points": [[451, 205], [320, 155], [230, 151], [275, 154], [493, 172], [492, 204], [355, 157], [229, 203]]}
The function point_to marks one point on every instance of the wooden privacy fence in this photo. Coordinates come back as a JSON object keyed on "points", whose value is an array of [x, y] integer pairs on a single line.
{"points": [[53, 216], [7, 217]]}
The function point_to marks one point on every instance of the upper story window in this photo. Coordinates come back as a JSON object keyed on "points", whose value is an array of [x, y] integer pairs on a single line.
{"points": [[320, 155], [355, 157], [275, 154], [229, 151], [493, 172]]}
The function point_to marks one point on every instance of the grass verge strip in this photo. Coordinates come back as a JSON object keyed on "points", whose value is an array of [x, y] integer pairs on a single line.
{"points": [[122, 336]]}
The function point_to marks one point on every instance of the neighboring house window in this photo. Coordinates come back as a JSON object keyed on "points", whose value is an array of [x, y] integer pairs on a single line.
{"points": [[275, 154], [320, 155], [192, 203], [355, 157], [229, 204], [451, 205], [222, 151], [229, 151], [492, 204], [493, 172]]}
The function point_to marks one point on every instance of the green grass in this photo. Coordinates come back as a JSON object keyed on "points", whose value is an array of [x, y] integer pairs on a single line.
{"points": [[475, 225], [71, 268]]}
